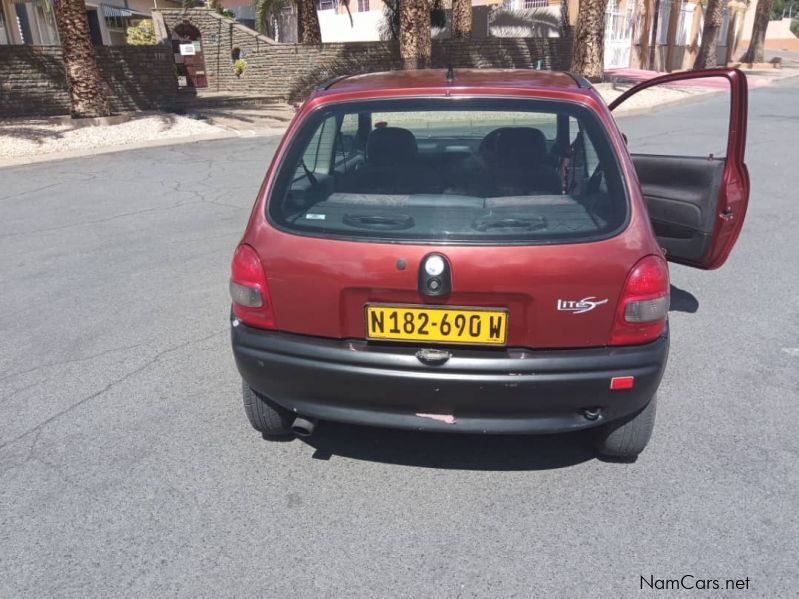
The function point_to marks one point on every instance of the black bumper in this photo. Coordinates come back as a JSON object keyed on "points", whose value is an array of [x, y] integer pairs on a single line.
{"points": [[484, 390]]}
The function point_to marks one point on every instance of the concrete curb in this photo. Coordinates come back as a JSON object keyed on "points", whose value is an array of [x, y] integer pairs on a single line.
{"points": [[690, 99], [227, 133], [55, 156]]}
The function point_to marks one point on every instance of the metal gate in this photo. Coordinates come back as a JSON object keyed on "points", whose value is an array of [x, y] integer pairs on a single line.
{"points": [[618, 37], [187, 47]]}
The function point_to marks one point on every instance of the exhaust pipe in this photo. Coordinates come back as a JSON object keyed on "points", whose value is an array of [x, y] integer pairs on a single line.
{"points": [[303, 427], [592, 413]]}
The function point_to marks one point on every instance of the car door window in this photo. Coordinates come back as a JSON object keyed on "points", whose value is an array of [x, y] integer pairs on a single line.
{"points": [[689, 158], [687, 119]]}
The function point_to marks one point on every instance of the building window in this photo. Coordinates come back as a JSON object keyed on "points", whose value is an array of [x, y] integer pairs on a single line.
{"points": [[363, 5], [4, 35], [118, 29], [326, 4]]}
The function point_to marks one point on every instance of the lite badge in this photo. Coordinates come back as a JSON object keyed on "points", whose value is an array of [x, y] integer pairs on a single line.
{"points": [[579, 306]]}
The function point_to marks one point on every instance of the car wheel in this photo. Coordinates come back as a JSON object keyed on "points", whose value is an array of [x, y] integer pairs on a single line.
{"points": [[264, 415], [625, 439]]}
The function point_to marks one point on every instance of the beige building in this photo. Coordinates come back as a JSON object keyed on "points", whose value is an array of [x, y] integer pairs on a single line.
{"points": [[32, 22], [665, 35]]}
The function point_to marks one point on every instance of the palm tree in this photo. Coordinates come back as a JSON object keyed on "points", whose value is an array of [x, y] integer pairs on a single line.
{"points": [[757, 43], [308, 31], [389, 26], [266, 11], [706, 57], [589, 40], [563, 21], [461, 19], [414, 34], [86, 88]]}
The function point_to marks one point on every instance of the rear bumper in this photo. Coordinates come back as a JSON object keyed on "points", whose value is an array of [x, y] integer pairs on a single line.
{"points": [[488, 391]]}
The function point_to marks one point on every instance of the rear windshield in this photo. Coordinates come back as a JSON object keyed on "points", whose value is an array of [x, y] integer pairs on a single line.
{"points": [[495, 171]]}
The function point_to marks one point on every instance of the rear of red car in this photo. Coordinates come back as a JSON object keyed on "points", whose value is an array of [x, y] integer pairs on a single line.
{"points": [[468, 259]]}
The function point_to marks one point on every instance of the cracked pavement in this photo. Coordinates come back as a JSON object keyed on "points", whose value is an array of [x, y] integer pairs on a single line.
{"points": [[127, 466]]}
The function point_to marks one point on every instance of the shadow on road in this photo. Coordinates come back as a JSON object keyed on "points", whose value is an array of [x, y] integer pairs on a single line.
{"points": [[450, 452], [683, 301]]}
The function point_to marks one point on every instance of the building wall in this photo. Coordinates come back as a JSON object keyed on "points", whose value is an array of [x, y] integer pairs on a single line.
{"points": [[778, 35], [289, 71], [337, 27], [33, 83], [41, 21]]}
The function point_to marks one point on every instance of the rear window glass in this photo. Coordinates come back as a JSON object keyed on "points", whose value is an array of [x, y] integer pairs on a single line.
{"points": [[499, 171]]}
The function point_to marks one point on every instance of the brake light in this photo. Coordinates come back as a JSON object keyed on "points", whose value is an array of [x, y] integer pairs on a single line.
{"points": [[643, 305], [248, 289]]}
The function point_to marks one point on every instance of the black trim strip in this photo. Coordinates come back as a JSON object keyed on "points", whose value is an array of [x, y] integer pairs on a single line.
{"points": [[328, 83], [581, 81]]}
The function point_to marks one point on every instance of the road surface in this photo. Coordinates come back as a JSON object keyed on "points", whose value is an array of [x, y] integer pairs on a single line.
{"points": [[127, 467]]}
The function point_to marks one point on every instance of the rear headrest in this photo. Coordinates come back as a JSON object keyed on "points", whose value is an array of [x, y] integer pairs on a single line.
{"points": [[514, 147], [388, 146]]}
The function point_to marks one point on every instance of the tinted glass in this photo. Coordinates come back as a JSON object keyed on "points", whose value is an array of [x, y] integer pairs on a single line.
{"points": [[451, 170]]}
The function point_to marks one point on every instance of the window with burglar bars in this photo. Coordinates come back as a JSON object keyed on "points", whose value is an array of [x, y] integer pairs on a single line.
{"points": [[363, 5], [535, 3]]}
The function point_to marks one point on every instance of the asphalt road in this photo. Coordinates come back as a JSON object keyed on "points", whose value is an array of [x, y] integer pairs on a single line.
{"points": [[127, 467]]}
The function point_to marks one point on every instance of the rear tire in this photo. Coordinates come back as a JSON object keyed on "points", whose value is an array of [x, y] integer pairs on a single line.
{"points": [[625, 439], [264, 415]]}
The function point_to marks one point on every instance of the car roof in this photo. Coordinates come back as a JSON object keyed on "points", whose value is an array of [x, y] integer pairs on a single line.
{"points": [[436, 78]]}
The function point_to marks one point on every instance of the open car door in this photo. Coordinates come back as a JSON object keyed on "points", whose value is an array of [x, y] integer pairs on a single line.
{"points": [[697, 203]]}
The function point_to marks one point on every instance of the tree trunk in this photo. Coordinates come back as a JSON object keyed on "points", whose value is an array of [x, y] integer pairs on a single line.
{"points": [[461, 19], [588, 53], [86, 88], [308, 31], [653, 46], [563, 22], [415, 45], [755, 53], [706, 57]]}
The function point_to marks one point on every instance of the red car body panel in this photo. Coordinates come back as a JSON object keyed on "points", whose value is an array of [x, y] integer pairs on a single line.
{"points": [[320, 286], [298, 327]]}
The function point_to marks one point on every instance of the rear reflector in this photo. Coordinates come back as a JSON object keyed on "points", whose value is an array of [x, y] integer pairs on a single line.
{"points": [[621, 382], [245, 296], [647, 310]]}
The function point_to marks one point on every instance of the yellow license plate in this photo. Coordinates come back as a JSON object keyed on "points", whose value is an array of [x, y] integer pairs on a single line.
{"points": [[474, 326]]}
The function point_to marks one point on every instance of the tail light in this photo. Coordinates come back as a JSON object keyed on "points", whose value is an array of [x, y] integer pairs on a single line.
{"points": [[248, 290], [643, 305]]}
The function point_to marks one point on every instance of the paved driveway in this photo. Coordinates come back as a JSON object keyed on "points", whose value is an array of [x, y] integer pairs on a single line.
{"points": [[127, 467]]}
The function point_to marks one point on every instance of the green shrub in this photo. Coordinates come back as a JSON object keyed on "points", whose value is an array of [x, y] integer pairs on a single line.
{"points": [[795, 27], [142, 34], [239, 66]]}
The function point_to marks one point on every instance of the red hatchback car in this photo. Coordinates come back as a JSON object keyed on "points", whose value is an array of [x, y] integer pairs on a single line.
{"points": [[473, 251]]}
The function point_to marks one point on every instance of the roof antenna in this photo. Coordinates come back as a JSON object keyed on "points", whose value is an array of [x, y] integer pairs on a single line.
{"points": [[450, 74]]}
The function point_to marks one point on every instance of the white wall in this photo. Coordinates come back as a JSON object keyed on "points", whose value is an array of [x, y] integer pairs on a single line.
{"points": [[780, 30], [365, 26]]}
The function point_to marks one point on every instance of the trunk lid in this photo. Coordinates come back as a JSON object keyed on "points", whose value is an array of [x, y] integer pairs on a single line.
{"points": [[559, 296]]}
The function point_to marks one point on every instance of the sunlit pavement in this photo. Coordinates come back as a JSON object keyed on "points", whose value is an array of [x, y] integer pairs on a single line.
{"points": [[127, 467]]}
